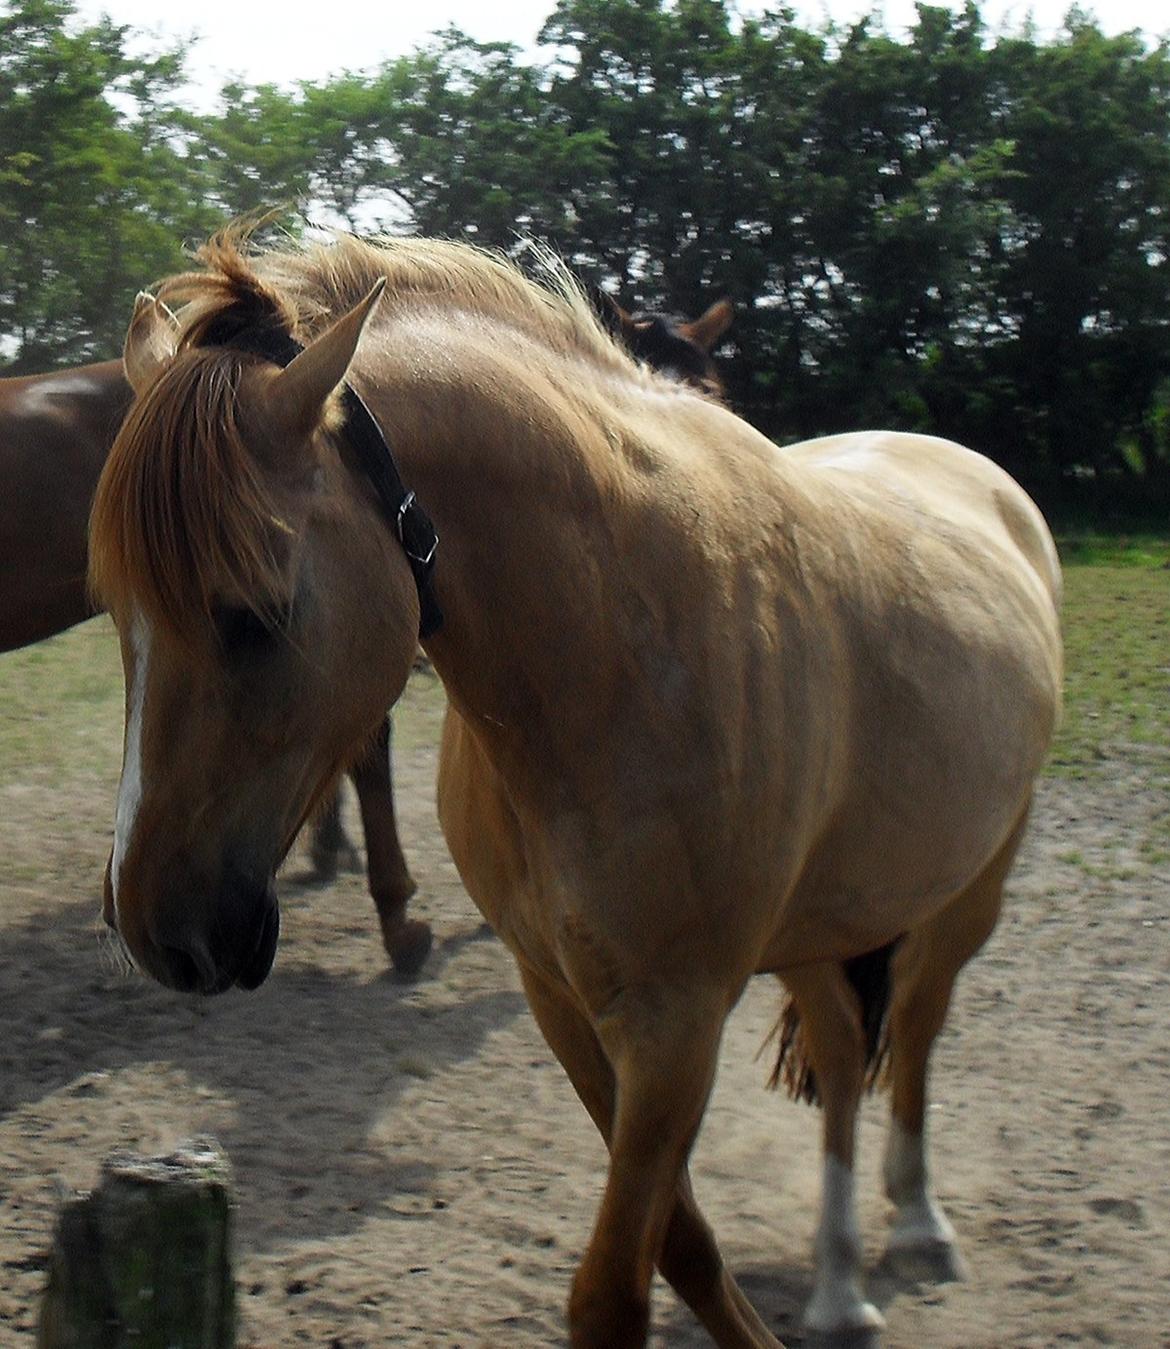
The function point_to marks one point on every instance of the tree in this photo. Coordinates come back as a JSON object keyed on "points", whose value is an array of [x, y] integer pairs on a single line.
{"points": [[93, 186], [1087, 280]]}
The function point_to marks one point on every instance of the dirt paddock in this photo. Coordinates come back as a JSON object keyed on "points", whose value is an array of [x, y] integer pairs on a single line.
{"points": [[413, 1168]]}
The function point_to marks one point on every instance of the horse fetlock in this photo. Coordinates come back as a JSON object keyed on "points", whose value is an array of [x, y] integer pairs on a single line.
{"points": [[920, 1223], [408, 943], [904, 1175], [838, 1306], [922, 1247], [391, 901], [605, 1319]]}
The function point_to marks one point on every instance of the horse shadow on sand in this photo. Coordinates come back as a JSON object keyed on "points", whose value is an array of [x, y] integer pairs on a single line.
{"points": [[779, 1293], [306, 1071]]}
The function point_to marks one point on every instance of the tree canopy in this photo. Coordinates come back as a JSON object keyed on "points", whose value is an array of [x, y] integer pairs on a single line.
{"points": [[954, 231]]}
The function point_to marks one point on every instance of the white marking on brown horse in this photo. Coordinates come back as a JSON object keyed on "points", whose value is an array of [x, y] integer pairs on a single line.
{"points": [[130, 785], [919, 1222], [838, 1303], [38, 397]]}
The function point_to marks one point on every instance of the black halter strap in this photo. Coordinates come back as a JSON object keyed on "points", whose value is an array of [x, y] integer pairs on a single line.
{"points": [[410, 523]]}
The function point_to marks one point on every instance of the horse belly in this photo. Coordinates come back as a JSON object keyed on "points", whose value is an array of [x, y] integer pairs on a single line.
{"points": [[904, 840]]}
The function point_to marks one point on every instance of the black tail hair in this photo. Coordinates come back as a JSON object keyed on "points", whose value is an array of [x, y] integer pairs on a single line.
{"points": [[869, 976]]}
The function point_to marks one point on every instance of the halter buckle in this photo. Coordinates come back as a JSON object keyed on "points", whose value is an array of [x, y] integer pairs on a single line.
{"points": [[424, 534]]}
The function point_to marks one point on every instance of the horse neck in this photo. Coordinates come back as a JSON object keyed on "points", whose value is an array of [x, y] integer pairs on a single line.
{"points": [[515, 474], [569, 505]]}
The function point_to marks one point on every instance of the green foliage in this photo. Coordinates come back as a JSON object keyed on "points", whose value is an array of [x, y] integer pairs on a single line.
{"points": [[94, 191], [953, 232]]}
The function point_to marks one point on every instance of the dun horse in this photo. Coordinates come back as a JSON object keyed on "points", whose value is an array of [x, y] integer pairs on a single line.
{"points": [[55, 432], [715, 709]]}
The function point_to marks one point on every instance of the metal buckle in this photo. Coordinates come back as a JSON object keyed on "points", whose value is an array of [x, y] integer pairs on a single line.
{"points": [[408, 503]]}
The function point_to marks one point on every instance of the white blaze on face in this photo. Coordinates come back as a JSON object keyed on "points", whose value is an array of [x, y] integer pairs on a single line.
{"points": [[130, 787]]}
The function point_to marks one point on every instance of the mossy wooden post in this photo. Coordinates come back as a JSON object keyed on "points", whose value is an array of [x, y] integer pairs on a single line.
{"points": [[145, 1260]]}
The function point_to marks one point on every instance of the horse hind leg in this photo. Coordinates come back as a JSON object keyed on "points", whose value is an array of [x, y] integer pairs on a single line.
{"points": [[329, 846], [922, 1242], [407, 940], [834, 1038], [609, 1305]]}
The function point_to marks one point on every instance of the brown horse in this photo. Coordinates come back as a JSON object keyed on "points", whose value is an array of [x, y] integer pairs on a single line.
{"points": [[56, 430], [55, 433], [715, 709]]}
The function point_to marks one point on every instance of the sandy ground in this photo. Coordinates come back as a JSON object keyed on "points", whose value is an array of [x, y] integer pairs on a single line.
{"points": [[413, 1168]]}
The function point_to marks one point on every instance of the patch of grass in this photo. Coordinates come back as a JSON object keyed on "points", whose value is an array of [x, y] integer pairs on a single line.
{"points": [[61, 705], [1087, 549], [1117, 667], [418, 714]]}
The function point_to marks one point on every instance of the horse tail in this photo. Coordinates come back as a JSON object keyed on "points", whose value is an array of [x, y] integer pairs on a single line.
{"points": [[869, 976]]}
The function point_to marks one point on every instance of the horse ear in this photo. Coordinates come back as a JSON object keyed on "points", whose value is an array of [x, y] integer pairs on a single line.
{"points": [[619, 321], [297, 395], [150, 341], [709, 327], [609, 310]]}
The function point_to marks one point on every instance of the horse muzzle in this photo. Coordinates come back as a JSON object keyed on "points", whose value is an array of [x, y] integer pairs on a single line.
{"points": [[194, 946]]}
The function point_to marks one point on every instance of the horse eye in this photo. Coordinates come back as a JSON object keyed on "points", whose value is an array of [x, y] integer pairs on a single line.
{"points": [[244, 632]]}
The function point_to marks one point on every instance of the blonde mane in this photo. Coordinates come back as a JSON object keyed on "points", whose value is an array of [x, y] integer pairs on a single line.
{"points": [[305, 286], [181, 516]]}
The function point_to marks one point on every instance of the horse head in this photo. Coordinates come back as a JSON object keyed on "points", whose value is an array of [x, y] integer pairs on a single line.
{"points": [[267, 618], [670, 344]]}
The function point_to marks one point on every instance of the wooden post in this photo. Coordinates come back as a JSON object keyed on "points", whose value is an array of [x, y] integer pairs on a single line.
{"points": [[145, 1259]]}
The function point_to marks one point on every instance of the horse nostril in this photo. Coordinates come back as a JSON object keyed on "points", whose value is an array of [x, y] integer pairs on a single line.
{"points": [[182, 972], [205, 943], [189, 968]]}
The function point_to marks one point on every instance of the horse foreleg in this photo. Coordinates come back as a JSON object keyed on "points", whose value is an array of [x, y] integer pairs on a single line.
{"points": [[830, 1017], [690, 1260], [926, 964], [663, 1051], [407, 940], [691, 1263]]}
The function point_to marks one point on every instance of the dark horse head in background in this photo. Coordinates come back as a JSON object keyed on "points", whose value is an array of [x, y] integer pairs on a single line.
{"points": [[669, 343]]}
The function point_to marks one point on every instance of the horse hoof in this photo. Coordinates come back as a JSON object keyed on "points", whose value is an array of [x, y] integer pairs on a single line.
{"points": [[829, 1321], [924, 1262], [847, 1337], [408, 946], [324, 863]]}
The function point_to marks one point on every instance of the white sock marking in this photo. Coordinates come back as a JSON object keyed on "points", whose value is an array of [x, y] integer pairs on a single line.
{"points": [[838, 1302], [919, 1221]]}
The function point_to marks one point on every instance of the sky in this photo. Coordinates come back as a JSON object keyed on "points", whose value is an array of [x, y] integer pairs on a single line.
{"points": [[238, 38]]}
